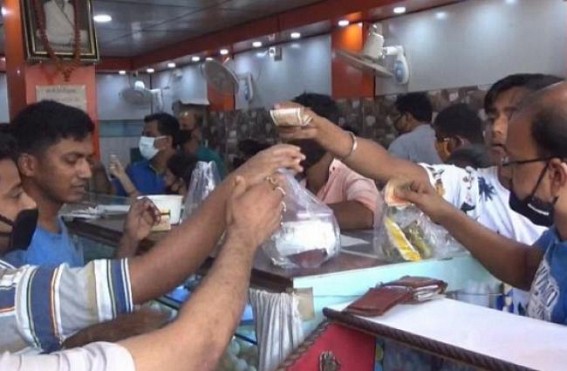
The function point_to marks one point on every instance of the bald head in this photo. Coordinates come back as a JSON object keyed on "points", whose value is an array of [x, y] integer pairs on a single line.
{"points": [[546, 114]]}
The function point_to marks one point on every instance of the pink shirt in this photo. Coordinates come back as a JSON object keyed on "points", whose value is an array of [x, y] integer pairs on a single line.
{"points": [[345, 184]]}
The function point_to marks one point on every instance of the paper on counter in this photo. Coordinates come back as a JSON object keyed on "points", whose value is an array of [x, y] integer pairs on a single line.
{"points": [[118, 209]]}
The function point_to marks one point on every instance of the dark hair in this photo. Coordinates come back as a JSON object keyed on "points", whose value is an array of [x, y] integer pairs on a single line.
{"points": [[312, 150], [182, 165], [321, 104], [460, 120], [416, 104], [250, 147], [8, 147], [475, 156], [529, 81], [166, 124], [41, 125], [351, 129], [183, 137]]}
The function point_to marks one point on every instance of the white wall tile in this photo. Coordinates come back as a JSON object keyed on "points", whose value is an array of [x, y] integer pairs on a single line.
{"points": [[109, 102], [119, 146], [305, 66], [186, 86], [4, 110], [478, 42]]}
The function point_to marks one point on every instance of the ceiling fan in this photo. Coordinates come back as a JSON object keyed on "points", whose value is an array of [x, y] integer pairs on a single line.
{"points": [[224, 80], [137, 94]]}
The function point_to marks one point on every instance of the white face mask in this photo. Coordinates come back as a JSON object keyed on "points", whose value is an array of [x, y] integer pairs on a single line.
{"points": [[147, 148]]}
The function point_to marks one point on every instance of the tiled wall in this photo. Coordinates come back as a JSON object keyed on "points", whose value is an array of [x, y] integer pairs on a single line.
{"points": [[118, 138], [373, 118]]}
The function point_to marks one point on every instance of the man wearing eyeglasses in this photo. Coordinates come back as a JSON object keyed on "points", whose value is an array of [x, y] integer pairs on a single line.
{"points": [[456, 127], [417, 139], [482, 194], [536, 160]]}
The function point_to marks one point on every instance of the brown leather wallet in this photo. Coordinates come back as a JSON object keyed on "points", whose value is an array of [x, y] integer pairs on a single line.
{"points": [[378, 300], [424, 288], [408, 289]]}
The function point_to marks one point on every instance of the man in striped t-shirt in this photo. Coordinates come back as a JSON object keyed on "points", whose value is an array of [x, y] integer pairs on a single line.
{"points": [[41, 307]]}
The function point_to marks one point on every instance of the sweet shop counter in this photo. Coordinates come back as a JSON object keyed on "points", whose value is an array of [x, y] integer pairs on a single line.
{"points": [[441, 334], [300, 294]]}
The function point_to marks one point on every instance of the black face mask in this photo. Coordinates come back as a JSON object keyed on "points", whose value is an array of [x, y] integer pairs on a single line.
{"points": [[23, 229], [312, 151], [536, 210]]}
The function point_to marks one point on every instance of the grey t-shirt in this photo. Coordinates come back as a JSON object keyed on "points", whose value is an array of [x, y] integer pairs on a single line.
{"points": [[417, 146]]}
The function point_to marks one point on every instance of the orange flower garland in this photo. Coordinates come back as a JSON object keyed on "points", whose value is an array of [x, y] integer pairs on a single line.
{"points": [[66, 68]]}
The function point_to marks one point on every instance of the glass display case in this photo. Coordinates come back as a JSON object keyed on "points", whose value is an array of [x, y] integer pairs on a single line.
{"points": [[309, 290]]}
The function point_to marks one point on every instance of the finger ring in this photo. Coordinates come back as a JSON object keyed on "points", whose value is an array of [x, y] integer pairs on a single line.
{"points": [[281, 190], [271, 180]]}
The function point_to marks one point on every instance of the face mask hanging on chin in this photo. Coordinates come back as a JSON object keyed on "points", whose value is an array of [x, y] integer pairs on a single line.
{"points": [[23, 229], [536, 210]]}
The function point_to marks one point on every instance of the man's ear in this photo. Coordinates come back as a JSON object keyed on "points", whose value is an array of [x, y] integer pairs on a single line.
{"points": [[457, 142], [169, 141], [27, 164], [558, 175]]}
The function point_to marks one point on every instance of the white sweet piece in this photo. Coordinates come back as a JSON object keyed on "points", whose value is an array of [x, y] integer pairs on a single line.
{"points": [[234, 348], [241, 365], [305, 235]]}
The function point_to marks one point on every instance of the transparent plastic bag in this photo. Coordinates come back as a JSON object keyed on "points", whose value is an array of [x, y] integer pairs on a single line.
{"points": [[204, 180], [407, 234], [309, 234]]}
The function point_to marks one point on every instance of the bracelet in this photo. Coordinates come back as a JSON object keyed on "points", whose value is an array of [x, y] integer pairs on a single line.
{"points": [[353, 148]]}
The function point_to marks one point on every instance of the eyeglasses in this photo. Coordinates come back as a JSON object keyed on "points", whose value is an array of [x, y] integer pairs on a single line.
{"points": [[505, 162]]}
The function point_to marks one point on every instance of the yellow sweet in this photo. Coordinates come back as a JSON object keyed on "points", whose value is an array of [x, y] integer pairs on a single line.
{"points": [[400, 242], [414, 235]]}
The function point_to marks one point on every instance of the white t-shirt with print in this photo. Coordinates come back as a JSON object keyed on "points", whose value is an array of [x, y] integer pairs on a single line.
{"points": [[479, 193], [92, 357]]}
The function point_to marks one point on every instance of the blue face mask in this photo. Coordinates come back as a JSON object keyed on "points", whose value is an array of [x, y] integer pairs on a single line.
{"points": [[22, 231]]}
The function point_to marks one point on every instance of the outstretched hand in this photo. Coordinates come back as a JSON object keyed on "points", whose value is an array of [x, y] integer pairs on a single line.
{"points": [[424, 196], [309, 131], [268, 161]]}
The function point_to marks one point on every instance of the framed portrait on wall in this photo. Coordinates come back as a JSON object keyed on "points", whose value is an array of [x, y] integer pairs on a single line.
{"points": [[59, 28]]}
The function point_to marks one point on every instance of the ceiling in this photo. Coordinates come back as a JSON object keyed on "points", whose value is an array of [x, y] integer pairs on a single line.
{"points": [[140, 30], [140, 26]]}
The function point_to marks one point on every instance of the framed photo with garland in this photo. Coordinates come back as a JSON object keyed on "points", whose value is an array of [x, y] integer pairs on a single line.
{"points": [[60, 30]]}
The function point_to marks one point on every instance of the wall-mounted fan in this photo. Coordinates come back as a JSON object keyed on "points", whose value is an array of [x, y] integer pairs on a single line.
{"points": [[224, 80], [373, 57], [137, 94]]}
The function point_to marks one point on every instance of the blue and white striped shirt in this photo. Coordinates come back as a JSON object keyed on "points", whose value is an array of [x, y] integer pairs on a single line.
{"points": [[40, 307]]}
